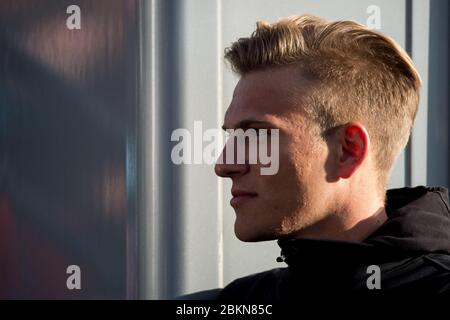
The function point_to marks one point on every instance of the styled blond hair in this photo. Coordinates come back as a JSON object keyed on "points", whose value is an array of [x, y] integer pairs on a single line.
{"points": [[356, 74]]}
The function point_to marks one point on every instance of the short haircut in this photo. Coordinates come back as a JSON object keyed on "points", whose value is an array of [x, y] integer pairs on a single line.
{"points": [[356, 74]]}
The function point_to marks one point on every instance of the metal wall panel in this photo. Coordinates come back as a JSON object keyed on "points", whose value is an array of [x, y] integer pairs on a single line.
{"points": [[438, 133], [68, 112]]}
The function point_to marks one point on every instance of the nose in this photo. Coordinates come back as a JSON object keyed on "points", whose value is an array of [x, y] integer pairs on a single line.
{"points": [[225, 169]]}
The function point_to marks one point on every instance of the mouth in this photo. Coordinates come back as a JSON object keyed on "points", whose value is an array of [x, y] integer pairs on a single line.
{"points": [[240, 196]]}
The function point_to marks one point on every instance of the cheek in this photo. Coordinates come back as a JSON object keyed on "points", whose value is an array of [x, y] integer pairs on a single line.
{"points": [[299, 174], [285, 189], [295, 178], [295, 163]]}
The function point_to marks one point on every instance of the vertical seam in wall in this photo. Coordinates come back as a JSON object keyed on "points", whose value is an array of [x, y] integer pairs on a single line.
{"points": [[219, 119], [141, 277], [420, 50], [154, 232], [408, 48]]}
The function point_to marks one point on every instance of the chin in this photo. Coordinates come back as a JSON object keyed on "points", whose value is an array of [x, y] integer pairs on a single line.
{"points": [[252, 235]]}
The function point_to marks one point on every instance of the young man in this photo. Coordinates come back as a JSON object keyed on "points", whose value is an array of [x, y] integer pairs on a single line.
{"points": [[344, 99]]}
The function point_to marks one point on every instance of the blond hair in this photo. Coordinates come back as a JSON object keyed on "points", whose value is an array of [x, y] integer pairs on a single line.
{"points": [[356, 74]]}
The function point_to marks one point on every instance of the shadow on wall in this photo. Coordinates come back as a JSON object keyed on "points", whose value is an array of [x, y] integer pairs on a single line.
{"points": [[67, 106]]}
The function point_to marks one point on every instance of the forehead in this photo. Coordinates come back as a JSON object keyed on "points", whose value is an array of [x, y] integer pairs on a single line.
{"points": [[267, 95]]}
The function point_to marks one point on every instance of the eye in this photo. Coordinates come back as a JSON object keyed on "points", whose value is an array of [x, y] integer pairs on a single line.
{"points": [[251, 132], [263, 132], [260, 132]]}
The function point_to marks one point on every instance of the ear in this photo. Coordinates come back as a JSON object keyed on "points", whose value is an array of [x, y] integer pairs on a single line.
{"points": [[353, 147]]}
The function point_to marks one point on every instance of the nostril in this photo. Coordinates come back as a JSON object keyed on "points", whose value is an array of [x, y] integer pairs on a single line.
{"points": [[219, 170], [228, 171]]}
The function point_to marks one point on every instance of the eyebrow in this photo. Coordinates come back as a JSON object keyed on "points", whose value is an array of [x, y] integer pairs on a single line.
{"points": [[244, 124]]}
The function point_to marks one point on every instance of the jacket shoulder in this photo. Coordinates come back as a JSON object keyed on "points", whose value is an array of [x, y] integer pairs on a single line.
{"points": [[426, 275], [255, 287], [441, 263]]}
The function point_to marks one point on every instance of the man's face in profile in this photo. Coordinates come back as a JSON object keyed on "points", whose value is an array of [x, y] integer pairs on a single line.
{"points": [[270, 206]]}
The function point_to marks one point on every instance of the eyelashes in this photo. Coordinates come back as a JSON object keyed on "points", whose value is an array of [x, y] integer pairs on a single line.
{"points": [[258, 132]]}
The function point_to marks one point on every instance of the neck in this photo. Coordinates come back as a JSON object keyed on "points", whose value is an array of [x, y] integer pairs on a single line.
{"points": [[348, 224]]}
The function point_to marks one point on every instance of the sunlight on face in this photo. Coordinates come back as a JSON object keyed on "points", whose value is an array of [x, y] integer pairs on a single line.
{"points": [[269, 206]]}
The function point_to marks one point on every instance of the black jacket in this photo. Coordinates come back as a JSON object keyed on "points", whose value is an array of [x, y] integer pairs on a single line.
{"points": [[411, 249]]}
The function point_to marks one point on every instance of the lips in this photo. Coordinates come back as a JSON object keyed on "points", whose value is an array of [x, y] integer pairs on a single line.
{"points": [[241, 196]]}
